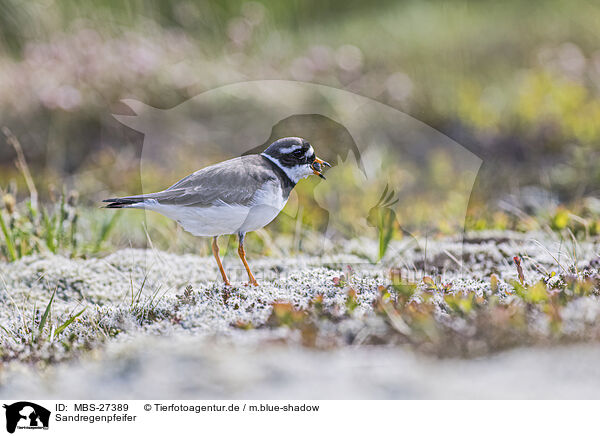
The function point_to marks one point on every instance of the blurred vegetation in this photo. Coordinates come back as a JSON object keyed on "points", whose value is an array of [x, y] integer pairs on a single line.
{"points": [[445, 320], [515, 82]]}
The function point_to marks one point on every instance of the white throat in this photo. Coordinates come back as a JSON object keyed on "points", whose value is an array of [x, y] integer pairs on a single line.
{"points": [[295, 173]]}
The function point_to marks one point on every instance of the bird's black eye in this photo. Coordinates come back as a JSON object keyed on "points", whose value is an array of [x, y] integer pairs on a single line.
{"points": [[298, 153]]}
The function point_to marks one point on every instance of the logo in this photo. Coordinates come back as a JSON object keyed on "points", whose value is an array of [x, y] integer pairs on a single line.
{"points": [[26, 415], [377, 151]]}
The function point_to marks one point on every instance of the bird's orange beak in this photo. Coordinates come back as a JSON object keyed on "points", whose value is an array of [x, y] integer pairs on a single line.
{"points": [[317, 167]]}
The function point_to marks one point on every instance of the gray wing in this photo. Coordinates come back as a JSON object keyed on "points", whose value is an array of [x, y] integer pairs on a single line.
{"points": [[234, 181]]}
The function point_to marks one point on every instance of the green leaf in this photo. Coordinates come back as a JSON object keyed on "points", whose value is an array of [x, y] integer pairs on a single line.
{"points": [[459, 303], [405, 289], [494, 282], [429, 282], [536, 293], [385, 228]]}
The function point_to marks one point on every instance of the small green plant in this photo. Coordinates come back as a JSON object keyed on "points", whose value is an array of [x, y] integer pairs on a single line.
{"points": [[383, 217], [27, 227], [11, 251], [30, 231], [144, 308], [105, 231], [55, 330], [44, 330]]}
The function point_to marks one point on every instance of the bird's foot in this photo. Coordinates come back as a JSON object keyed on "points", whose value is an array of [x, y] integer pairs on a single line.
{"points": [[252, 282]]}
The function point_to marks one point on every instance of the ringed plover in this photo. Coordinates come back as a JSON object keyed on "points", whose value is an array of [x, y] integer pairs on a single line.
{"points": [[236, 196]]}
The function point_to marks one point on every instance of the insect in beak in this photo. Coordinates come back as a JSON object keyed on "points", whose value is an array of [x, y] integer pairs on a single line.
{"points": [[317, 167]]}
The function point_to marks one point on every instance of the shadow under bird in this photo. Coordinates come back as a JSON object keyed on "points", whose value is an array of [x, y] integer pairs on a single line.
{"points": [[236, 196]]}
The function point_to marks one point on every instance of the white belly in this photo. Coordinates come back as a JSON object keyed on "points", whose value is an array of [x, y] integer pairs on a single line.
{"points": [[224, 219]]}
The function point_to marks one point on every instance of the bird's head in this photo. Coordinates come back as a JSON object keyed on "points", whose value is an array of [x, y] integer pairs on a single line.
{"points": [[296, 157]]}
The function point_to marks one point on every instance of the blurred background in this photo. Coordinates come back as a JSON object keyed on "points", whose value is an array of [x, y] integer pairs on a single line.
{"points": [[515, 83]]}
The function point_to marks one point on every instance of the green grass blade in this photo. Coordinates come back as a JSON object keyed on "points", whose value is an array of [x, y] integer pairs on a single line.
{"points": [[10, 245], [67, 323], [107, 228], [73, 236], [6, 330], [33, 322], [385, 228], [46, 314], [60, 225], [49, 231], [32, 213]]}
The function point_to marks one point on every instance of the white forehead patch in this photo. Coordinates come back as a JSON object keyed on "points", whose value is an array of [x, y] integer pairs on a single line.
{"points": [[310, 152]]}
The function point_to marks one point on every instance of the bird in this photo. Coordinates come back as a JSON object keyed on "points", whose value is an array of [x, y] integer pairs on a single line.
{"points": [[236, 196]]}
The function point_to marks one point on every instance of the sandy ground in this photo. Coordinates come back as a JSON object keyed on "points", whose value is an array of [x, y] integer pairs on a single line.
{"points": [[168, 345]]}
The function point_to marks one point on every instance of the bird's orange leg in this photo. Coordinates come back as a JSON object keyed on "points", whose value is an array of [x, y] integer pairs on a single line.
{"points": [[215, 250], [242, 254]]}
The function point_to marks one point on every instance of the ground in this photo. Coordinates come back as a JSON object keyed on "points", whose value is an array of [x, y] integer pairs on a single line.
{"points": [[447, 319]]}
